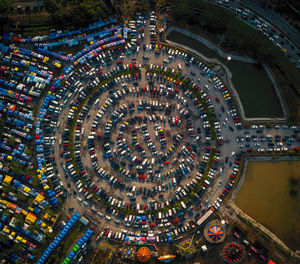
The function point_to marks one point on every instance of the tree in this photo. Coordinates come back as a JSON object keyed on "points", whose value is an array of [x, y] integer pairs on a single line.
{"points": [[29, 151], [21, 196], [181, 11], [52, 6], [5, 6], [53, 259], [17, 247], [16, 167], [3, 238], [30, 201], [6, 188], [93, 9], [12, 140], [35, 181], [19, 220]]}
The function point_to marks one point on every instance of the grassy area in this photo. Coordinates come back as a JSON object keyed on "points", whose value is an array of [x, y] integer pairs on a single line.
{"points": [[32, 24], [103, 254], [64, 247]]}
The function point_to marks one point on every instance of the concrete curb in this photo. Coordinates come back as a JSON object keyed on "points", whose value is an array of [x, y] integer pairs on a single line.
{"points": [[227, 80]]}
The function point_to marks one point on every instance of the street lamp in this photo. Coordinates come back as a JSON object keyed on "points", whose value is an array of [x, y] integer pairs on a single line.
{"points": [[228, 59], [226, 73]]}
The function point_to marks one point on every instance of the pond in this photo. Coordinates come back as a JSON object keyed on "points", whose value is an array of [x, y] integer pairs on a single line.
{"points": [[251, 81], [270, 194]]}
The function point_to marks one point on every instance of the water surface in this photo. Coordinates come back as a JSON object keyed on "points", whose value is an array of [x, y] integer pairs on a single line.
{"points": [[271, 195]]}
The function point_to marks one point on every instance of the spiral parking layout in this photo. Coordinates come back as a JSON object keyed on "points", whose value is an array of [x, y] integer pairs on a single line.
{"points": [[132, 163], [138, 140]]}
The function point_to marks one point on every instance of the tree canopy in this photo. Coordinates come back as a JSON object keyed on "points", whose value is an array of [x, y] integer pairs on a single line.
{"points": [[5, 6], [77, 12]]}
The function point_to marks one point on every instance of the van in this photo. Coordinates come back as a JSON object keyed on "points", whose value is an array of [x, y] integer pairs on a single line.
{"points": [[159, 215], [174, 182]]}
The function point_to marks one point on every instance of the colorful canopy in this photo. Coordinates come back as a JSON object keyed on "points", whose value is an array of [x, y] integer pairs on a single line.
{"points": [[271, 262], [215, 233], [143, 254]]}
